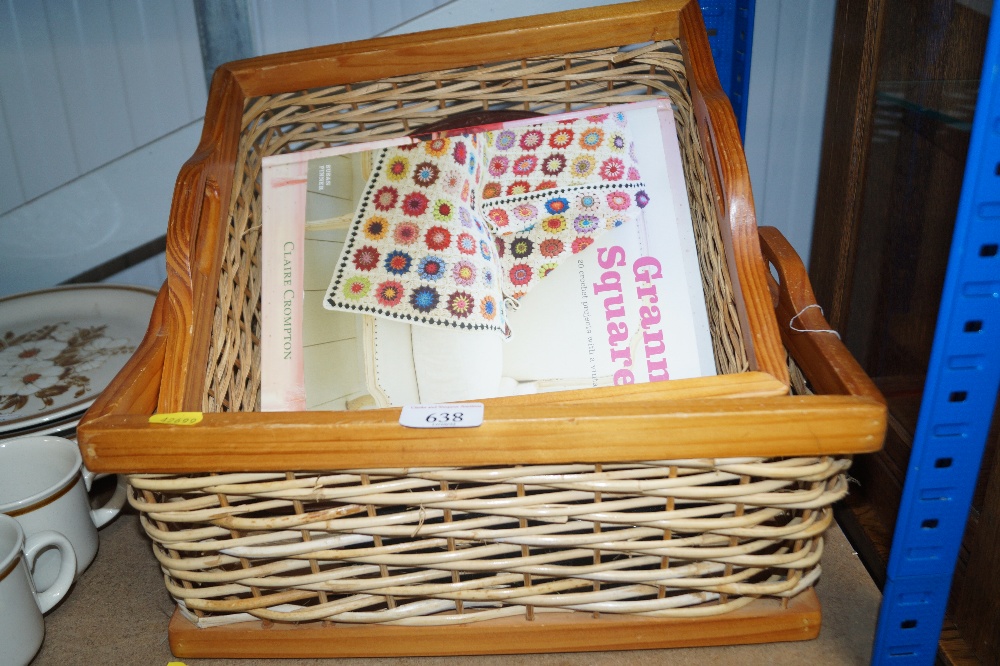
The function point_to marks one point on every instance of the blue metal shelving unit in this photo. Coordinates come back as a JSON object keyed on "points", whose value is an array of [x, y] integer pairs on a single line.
{"points": [[730, 35], [958, 399]]}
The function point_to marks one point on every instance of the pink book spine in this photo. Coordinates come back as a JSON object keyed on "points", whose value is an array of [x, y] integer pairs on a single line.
{"points": [[284, 208]]}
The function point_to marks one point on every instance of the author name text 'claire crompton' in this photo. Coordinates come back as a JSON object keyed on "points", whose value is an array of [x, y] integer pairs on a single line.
{"points": [[287, 298]]}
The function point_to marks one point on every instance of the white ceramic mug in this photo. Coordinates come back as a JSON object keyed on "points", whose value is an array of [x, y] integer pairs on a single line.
{"points": [[21, 625], [44, 485]]}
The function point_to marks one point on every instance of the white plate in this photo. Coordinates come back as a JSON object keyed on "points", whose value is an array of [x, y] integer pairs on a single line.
{"points": [[59, 348], [63, 427]]}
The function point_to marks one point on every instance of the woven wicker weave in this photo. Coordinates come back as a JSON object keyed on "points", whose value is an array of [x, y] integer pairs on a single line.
{"points": [[683, 538], [398, 106], [445, 546]]}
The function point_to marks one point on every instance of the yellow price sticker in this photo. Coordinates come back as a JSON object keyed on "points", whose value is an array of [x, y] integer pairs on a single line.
{"points": [[177, 418]]}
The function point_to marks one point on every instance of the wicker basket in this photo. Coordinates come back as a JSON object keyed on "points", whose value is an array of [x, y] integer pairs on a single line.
{"points": [[596, 511]]}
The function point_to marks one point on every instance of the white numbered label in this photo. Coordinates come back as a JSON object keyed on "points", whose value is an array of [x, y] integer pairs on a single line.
{"points": [[467, 415]]}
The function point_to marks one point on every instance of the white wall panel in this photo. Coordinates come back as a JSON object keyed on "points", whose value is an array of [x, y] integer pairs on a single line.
{"points": [[149, 53], [352, 21], [33, 105], [83, 82], [150, 273], [90, 80], [52, 51], [279, 26], [463, 12], [190, 59], [11, 193], [785, 112], [95, 218], [287, 25]]}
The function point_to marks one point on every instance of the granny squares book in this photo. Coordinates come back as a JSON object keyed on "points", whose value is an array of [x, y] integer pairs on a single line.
{"points": [[533, 255]]}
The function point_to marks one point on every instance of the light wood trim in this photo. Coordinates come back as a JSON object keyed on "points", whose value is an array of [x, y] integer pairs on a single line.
{"points": [[825, 361], [742, 385], [136, 387], [653, 423], [194, 234], [351, 62], [590, 432], [730, 180], [762, 621]]}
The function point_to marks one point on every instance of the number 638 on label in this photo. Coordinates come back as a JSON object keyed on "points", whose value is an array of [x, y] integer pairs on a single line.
{"points": [[467, 415]]}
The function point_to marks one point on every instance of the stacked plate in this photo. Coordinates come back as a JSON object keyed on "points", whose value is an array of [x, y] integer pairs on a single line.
{"points": [[59, 348]]}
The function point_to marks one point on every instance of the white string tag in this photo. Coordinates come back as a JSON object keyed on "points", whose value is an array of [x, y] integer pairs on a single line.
{"points": [[791, 322]]}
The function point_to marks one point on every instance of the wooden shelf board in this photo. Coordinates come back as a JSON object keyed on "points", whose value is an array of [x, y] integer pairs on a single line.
{"points": [[763, 621]]}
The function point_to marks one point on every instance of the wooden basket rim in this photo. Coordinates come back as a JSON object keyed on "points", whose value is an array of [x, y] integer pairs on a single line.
{"points": [[116, 433]]}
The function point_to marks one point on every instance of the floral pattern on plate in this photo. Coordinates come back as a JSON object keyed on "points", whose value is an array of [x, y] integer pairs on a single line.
{"points": [[50, 362]]}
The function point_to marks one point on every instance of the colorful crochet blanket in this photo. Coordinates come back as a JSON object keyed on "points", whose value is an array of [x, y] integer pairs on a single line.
{"points": [[456, 230]]}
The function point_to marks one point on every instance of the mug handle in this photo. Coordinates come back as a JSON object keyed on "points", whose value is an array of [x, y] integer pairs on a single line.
{"points": [[103, 515], [50, 596]]}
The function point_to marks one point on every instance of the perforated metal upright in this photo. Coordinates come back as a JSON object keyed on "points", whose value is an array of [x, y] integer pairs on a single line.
{"points": [[958, 400], [730, 34]]}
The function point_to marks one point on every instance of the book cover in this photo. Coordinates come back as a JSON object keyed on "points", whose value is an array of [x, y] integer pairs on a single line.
{"points": [[528, 256]]}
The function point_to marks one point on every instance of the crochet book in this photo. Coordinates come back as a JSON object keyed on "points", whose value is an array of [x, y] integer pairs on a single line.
{"points": [[533, 255]]}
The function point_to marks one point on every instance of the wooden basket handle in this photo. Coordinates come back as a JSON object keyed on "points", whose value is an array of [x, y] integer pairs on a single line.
{"points": [[136, 387], [816, 348]]}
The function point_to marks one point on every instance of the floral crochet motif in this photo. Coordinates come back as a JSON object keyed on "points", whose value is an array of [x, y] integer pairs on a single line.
{"points": [[454, 229]]}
